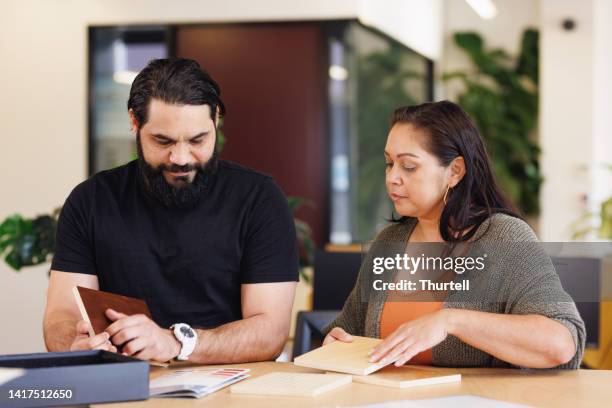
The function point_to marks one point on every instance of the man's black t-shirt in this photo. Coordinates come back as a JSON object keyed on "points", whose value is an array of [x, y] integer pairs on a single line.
{"points": [[188, 265]]}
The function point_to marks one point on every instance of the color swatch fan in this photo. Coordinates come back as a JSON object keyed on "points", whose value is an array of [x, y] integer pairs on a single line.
{"points": [[195, 383]]}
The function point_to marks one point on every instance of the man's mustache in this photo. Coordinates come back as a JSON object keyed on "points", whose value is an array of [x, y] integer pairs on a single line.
{"points": [[175, 168]]}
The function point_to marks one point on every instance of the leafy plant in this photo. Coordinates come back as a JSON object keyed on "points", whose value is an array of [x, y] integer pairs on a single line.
{"points": [[220, 135], [583, 226], [605, 229], [27, 242], [501, 95], [306, 246]]}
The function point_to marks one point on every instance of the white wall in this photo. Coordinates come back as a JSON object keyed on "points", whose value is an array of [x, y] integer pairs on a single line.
{"points": [[575, 123], [602, 105], [43, 109]]}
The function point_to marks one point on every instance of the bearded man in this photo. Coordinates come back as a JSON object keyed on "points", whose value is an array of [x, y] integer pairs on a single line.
{"points": [[208, 244]]}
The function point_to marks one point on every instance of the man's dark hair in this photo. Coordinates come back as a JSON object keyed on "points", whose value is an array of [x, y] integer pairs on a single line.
{"points": [[179, 81], [450, 134]]}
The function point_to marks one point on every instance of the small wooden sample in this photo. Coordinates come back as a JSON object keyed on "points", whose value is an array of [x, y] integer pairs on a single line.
{"points": [[291, 384], [408, 376], [93, 304], [349, 358]]}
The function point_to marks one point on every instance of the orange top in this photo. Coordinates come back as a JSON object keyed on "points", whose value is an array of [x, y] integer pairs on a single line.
{"points": [[396, 313]]}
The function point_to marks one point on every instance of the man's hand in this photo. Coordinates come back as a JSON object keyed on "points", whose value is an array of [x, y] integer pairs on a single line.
{"points": [[411, 338], [82, 341], [141, 337], [337, 334]]}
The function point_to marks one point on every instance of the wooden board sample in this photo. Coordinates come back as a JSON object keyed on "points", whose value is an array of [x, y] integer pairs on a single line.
{"points": [[408, 376], [350, 358], [93, 304], [291, 384]]}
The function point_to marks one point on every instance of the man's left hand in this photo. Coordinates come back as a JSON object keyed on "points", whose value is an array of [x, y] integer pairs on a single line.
{"points": [[141, 337]]}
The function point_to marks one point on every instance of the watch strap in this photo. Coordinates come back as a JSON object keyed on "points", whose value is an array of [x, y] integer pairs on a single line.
{"points": [[187, 337]]}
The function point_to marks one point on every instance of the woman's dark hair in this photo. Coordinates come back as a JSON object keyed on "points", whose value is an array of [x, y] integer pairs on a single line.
{"points": [[178, 81], [450, 134]]}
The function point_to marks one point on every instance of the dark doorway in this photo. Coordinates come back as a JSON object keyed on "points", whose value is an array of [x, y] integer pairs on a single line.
{"points": [[273, 79]]}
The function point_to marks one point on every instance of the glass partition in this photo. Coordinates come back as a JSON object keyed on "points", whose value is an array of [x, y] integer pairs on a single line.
{"points": [[117, 54], [370, 75]]}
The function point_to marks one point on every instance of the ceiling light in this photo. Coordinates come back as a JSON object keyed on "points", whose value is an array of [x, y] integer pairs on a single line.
{"points": [[337, 72]]}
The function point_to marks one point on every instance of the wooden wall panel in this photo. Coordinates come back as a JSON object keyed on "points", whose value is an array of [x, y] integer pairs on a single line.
{"points": [[273, 82]]}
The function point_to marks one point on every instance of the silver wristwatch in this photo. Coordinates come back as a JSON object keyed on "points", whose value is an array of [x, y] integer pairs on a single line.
{"points": [[187, 337]]}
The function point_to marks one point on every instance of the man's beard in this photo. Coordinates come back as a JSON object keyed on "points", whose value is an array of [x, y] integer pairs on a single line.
{"points": [[189, 193]]}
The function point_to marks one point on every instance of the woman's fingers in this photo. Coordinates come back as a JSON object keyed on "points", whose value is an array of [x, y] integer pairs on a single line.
{"points": [[407, 355], [396, 352], [337, 333], [386, 345], [341, 335]]}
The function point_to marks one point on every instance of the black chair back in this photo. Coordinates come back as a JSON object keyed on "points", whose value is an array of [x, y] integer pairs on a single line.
{"points": [[335, 274]]}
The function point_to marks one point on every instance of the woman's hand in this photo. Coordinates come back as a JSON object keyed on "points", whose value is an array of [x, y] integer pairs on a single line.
{"points": [[411, 338], [337, 333]]}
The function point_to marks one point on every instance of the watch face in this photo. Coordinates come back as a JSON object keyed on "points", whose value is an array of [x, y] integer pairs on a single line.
{"points": [[187, 332]]}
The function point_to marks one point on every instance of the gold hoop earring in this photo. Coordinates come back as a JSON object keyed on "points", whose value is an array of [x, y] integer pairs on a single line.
{"points": [[446, 194]]}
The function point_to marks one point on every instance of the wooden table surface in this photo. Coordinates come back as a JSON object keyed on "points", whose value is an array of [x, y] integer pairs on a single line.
{"points": [[579, 388]]}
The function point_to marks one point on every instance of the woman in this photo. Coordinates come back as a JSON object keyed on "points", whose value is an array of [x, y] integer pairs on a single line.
{"points": [[439, 177]]}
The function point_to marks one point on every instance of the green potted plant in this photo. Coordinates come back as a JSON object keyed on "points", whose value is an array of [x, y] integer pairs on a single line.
{"points": [[28, 241], [501, 95], [584, 225]]}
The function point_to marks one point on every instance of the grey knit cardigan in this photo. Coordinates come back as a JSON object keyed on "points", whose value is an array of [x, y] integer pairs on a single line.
{"points": [[526, 285]]}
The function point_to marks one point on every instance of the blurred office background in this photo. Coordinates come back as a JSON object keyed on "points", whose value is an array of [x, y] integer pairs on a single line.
{"points": [[309, 87]]}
